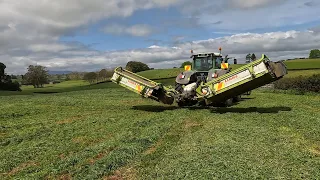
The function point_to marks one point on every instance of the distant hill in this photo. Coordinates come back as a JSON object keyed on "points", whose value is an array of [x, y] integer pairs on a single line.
{"points": [[59, 72]]}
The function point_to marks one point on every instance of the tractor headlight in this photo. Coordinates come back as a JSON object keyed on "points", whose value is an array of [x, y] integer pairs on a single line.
{"points": [[182, 76], [205, 91], [214, 75]]}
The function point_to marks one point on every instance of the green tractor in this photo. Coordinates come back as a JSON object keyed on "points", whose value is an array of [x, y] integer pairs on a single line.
{"points": [[205, 67], [207, 82]]}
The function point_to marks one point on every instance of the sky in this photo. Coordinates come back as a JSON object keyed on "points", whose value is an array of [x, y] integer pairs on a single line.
{"points": [[83, 35]]}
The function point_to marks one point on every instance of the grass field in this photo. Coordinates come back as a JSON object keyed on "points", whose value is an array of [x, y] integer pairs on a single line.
{"points": [[296, 64], [103, 131], [303, 64], [111, 132], [161, 73]]}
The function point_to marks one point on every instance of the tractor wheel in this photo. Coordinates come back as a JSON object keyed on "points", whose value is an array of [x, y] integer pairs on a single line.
{"points": [[237, 98], [228, 102], [181, 104]]}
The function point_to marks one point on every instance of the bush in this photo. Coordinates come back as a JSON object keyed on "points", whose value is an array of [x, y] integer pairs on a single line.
{"points": [[10, 86], [135, 66], [300, 83]]}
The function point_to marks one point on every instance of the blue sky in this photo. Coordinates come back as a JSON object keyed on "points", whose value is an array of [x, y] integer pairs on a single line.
{"points": [[155, 18], [82, 35], [166, 34]]}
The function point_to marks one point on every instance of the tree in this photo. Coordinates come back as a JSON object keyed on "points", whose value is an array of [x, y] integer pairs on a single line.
{"points": [[59, 76], [36, 76], [91, 77], [110, 73], [314, 53], [6, 81], [135, 66], [75, 76], [14, 76], [2, 68], [248, 57], [253, 57], [185, 63], [103, 74]]}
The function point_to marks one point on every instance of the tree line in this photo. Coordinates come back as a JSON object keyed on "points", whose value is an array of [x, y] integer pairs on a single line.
{"points": [[103, 75], [38, 76]]}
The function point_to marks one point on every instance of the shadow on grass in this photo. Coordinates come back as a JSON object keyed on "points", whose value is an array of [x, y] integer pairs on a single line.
{"points": [[221, 110], [45, 92], [151, 108], [244, 98], [251, 110]]}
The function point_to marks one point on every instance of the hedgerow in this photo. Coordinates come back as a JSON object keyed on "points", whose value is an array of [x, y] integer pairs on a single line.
{"points": [[300, 83]]}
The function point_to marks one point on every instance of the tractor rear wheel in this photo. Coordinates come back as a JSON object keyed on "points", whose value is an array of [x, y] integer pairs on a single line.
{"points": [[228, 102], [237, 98]]}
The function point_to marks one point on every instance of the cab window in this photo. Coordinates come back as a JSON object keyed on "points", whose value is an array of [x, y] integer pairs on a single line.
{"points": [[203, 63]]}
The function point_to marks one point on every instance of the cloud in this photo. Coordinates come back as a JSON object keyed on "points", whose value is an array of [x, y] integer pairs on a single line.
{"points": [[212, 7], [249, 15], [311, 3], [135, 30], [29, 22], [249, 4], [30, 31], [315, 29], [276, 45]]}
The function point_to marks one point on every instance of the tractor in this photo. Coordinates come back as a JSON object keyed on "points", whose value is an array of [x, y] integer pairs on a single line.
{"points": [[207, 82], [205, 67]]}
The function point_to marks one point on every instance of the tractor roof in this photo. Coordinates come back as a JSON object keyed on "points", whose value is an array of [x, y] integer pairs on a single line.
{"points": [[206, 54]]}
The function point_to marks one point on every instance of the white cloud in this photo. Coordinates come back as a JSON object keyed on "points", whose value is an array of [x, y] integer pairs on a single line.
{"points": [[248, 4], [135, 30], [30, 31], [48, 47], [247, 15], [33, 22], [276, 45]]}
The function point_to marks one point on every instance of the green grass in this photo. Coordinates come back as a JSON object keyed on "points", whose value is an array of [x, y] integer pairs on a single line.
{"points": [[296, 64], [302, 73], [66, 86], [90, 132], [161, 73], [303, 64], [97, 133]]}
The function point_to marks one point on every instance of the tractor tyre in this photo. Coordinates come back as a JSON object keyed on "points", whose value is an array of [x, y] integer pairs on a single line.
{"points": [[228, 102], [237, 98], [181, 104]]}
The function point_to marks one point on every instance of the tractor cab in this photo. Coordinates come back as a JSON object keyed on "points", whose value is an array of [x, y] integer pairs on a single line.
{"points": [[204, 62], [204, 68]]}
